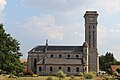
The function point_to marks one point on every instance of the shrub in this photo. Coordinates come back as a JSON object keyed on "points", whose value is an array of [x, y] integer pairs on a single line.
{"points": [[61, 74], [118, 70], [107, 78], [72, 78], [49, 78], [81, 74], [34, 75], [89, 75], [115, 73], [93, 73]]}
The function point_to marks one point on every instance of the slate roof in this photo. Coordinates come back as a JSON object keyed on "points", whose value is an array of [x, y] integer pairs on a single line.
{"points": [[56, 61], [58, 48]]}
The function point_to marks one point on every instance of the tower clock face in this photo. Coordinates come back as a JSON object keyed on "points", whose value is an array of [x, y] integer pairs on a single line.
{"points": [[91, 20]]}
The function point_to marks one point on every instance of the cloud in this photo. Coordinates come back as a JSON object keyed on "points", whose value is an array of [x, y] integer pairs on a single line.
{"points": [[44, 26], [73, 6], [2, 6], [53, 5], [108, 39]]}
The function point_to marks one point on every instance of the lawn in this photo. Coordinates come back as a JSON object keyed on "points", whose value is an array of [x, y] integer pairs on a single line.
{"points": [[5, 77], [35, 78]]}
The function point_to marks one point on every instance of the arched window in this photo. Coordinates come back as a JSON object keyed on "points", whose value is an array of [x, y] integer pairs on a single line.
{"points": [[68, 56], [60, 68], [51, 69], [60, 56], [40, 68], [77, 56], [51, 55], [77, 69], [68, 69]]}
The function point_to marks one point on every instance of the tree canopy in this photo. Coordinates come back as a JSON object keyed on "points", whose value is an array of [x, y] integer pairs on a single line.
{"points": [[107, 60], [9, 53]]}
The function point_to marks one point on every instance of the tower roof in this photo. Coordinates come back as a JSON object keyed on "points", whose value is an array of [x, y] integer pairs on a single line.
{"points": [[85, 44], [91, 13]]}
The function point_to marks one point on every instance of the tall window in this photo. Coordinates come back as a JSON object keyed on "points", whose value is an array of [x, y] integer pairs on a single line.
{"points": [[89, 27], [68, 69], [60, 56], [89, 39], [77, 69], [40, 68], [51, 69], [93, 39], [35, 66]]}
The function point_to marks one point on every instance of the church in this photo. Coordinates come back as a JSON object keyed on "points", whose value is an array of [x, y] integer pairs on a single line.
{"points": [[48, 59]]}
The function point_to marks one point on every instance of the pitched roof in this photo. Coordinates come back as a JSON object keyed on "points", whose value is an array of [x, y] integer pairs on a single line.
{"points": [[114, 67], [57, 61], [58, 48]]}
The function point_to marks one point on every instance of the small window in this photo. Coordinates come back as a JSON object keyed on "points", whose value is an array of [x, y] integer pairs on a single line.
{"points": [[40, 68], [77, 69], [89, 27], [60, 56], [68, 56], [93, 27], [51, 55], [77, 56], [60, 68], [51, 69], [68, 69]]}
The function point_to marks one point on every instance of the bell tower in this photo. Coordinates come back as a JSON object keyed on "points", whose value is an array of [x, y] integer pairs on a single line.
{"points": [[91, 39]]}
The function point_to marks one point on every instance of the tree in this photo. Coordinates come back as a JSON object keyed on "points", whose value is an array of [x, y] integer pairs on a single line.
{"points": [[107, 60], [9, 53], [118, 70]]}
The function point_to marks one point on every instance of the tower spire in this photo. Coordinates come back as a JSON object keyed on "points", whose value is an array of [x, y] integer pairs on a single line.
{"points": [[46, 42]]}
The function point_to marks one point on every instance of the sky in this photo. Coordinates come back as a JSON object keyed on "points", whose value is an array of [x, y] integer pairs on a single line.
{"points": [[31, 22]]}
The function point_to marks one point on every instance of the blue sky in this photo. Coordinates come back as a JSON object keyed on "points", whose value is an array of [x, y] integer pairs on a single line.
{"points": [[61, 22]]}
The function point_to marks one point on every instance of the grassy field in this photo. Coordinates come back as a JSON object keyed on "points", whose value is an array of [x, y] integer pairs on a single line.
{"points": [[5, 77], [35, 78]]}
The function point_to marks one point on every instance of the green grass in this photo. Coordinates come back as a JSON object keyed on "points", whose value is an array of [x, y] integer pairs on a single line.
{"points": [[35, 78]]}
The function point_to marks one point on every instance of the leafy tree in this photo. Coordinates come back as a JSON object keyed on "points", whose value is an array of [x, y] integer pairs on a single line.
{"points": [[9, 53], [107, 60], [118, 70]]}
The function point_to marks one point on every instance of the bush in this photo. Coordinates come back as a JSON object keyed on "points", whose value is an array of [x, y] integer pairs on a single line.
{"points": [[118, 70], [61, 74], [34, 75], [50, 78], [107, 78], [72, 78], [93, 73], [89, 75], [115, 73], [81, 74]]}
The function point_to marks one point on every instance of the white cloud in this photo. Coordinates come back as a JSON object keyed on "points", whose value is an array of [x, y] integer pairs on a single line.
{"points": [[71, 7], [44, 26], [2, 6], [108, 39]]}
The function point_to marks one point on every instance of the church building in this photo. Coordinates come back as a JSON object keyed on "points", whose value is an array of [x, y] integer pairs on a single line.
{"points": [[48, 59]]}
